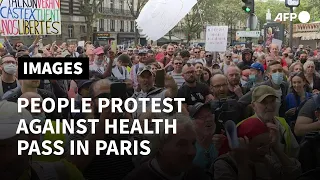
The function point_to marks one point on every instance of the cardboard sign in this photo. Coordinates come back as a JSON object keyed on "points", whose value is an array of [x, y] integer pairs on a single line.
{"points": [[216, 38], [30, 17]]}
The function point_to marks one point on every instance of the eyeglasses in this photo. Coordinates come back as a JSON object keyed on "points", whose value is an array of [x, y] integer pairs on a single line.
{"points": [[296, 74], [208, 55], [196, 52]]}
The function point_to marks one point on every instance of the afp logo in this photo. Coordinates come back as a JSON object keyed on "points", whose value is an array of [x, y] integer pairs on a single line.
{"points": [[303, 17]]}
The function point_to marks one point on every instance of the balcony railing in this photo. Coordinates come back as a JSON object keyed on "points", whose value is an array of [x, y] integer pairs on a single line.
{"points": [[115, 12]]}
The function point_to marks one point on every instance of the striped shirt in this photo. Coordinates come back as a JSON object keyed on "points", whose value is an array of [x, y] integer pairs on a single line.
{"points": [[177, 78]]}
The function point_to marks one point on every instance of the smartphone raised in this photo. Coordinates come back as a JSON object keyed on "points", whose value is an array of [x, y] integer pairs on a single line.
{"points": [[118, 90], [160, 76]]}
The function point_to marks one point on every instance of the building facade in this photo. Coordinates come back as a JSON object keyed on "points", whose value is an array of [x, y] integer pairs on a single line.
{"points": [[115, 19]]}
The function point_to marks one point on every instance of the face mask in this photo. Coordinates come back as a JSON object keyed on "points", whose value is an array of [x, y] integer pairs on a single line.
{"points": [[303, 60], [277, 78], [10, 68], [235, 60], [252, 77]]}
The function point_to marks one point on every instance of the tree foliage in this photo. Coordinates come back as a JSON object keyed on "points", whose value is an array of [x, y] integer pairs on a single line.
{"points": [[89, 9], [275, 6], [135, 12], [311, 6]]}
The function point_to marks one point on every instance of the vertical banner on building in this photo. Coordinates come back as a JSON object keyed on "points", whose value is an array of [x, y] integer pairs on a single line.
{"points": [[216, 38], [30, 17]]}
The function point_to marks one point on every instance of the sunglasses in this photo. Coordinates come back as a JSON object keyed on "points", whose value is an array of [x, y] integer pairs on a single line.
{"points": [[228, 56], [296, 74], [208, 55], [196, 52], [177, 63]]}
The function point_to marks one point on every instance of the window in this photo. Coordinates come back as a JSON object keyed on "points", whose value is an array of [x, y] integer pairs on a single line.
{"points": [[111, 5], [101, 24], [71, 7], [83, 29], [70, 31], [199, 35], [121, 6], [100, 8], [121, 26], [131, 4], [132, 26], [112, 25]]}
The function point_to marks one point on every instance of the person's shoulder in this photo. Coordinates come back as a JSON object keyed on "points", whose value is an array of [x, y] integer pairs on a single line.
{"points": [[141, 172], [45, 93], [12, 95]]}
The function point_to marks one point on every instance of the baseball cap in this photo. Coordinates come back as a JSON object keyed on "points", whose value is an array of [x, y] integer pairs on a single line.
{"points": [[142, 51], [251, 128], [10, 119], [22, 48], [257, 66], [145, 68], [98, 51], [261, 92], [193, 110]]}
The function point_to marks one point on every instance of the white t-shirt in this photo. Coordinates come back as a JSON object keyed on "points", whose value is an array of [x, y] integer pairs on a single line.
{"points": [[120, 72], [97, 68]]}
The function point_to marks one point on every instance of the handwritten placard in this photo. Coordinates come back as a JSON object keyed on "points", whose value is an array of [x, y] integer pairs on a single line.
{"points": [[216, 38], [30, 17]]}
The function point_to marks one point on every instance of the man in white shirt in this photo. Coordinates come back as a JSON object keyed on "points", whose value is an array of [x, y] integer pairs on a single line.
{"points": [[99, 59], [119, 70]]}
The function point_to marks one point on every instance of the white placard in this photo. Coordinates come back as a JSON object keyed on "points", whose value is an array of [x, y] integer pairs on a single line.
{"points": [[81, 43], [216, 38], [248, 33]]}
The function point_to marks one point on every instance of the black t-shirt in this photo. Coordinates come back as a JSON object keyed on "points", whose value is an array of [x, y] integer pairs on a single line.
{"points": [[8, 86], [195, 94]]}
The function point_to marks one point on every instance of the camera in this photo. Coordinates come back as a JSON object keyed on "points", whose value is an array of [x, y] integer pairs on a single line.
{"points": [[224, 110]]}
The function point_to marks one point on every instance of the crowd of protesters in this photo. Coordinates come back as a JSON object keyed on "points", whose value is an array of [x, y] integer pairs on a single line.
{"points": [[276, 89]]}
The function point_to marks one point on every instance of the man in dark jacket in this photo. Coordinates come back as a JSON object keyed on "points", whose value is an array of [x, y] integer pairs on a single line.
{"points": [[246, 59]]}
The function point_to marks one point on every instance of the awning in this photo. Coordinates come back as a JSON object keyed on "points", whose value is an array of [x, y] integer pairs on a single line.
{"points": [[307, 35]]}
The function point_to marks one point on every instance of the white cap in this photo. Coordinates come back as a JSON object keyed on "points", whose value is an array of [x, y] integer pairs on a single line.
{"points": [[10, 118]]}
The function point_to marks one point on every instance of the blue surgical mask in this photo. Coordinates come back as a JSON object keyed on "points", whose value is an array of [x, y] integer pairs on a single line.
{"points": [[252, 77], [277, 78], [235, 60]]}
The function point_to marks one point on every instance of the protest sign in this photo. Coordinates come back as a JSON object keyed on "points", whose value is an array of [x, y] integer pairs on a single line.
{"points": [[216, 38], [30, 17]]}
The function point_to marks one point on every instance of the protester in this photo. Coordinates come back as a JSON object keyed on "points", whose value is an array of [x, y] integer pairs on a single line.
{"points": [[14, 166], [8, 78], [169, 159], [259, 156]]}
